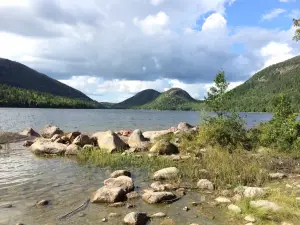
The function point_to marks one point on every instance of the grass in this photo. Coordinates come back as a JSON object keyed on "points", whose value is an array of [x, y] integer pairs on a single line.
{"points": [[223, 168]]}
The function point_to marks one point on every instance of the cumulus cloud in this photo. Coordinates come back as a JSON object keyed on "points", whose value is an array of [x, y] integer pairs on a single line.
{"points": [[214, 21], [273, 14]]}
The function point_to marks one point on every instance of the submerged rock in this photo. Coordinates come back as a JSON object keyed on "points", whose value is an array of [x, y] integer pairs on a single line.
{"points": [[137, 218], [157, 197], [205, 184], [163, 147], [265, 205], [166, 173], [122, 181], [47, 147], [108, 194], [49, 131], [110, 141], [72, 149], [119, 173]]}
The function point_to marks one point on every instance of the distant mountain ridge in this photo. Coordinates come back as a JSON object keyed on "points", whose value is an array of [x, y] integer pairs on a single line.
{"points": [[257, 93], [18, 75]]}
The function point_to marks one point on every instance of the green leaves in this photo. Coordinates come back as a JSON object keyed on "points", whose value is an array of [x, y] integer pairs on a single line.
{"points": [[297, 32]]}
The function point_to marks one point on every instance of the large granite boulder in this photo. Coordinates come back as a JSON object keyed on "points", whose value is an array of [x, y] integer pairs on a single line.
{"points": [[108, 194], [72, 149], [166, 173], [152, 197], [49, 131], [136, 218], [136, 139], [110, 142], [124, 182], [164, 147], [82, 140], [41, 147], [154, 134], [30, 132]]}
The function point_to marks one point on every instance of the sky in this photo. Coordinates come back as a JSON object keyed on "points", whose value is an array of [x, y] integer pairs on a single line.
{"points": [[112, 49]]}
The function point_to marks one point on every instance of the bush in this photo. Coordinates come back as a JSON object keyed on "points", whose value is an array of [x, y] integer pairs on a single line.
{"points": [[227, 131]]}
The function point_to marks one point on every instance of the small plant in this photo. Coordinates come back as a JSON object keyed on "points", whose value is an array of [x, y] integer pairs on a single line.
{"points": [[297, 32]]}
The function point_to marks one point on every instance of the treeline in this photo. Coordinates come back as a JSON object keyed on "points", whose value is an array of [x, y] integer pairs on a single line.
{"points": [[18, 97]]}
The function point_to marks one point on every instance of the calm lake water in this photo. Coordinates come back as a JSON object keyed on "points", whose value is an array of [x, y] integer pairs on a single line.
{"points": [[90, 120], [26, 179]]}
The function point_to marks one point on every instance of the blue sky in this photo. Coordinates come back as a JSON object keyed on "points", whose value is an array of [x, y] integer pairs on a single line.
{"points": [[111, 50]]}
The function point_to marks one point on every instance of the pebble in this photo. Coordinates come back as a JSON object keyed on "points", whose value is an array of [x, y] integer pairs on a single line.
{"points": [[104, 220], [185, 208], [196, 203], [43, 202], [158, 215]]}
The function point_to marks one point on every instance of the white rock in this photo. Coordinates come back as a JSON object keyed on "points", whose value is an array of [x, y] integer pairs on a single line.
{"points": [[109, 195], [166, 173], [158, 215], [122, 181], [136, 218], [265, 205], [254, 192], [275, 176], [222, 200], [250, 218], [205, 184], [234, 208], [157, 197], [119, 173]]}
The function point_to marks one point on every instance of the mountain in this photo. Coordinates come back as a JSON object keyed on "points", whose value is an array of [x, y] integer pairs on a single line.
{"points": [[173, 99], [137, 100], [18, 75], [257, 93]]}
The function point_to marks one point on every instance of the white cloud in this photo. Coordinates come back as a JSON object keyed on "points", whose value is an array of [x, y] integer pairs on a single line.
{"points": [[156, 2], [286, 1], [18, 3], [295, 14], [275, 52], [273, 14], [153, 24], [214, 21]]}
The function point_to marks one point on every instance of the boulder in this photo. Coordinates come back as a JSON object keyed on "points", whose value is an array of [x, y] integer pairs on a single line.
{"points": [[110, 141], [166, 173], [30, 132], [265, 205], [137, 218], [164, 147], [122, 181], [49, 131], [184, 126], [158, 186], [48, 147], [119, 173], [250, 218], [27, 143], [152, 197], [254, 192], [136, 139], [108, 194], [72, 149], [71, 136], [154, 134], [55, 137], [205, 184], [235, 209], [82, 140]]}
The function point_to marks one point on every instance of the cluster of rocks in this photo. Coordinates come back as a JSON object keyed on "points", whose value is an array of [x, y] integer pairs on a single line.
{"points": [[53, 140]]}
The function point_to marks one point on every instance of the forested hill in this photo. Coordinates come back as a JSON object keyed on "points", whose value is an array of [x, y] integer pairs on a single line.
{"points": [[137, 100], [257, 93], [18, 75]]}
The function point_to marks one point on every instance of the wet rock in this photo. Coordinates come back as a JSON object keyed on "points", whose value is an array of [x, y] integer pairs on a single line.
{"points": [[49, 131], [235, 209], [136, 218], [158, 215], [265, 205], [43, 202], [119, 173], [72, 149], [250, 218], [133, 195], [6, 206], [111, 142], [47, 147], [136, 139], [205, 184], [158, 186], [27, 143], [168, 222], [82, 140], [166, 173], [154, 134], [164, 147], [117, 205], [222, 200], [184, 126], [122, 181], [254, 192], [181, 191], [157, 197], [277, 176], [71, 136], [109, 195], [30, 132]]}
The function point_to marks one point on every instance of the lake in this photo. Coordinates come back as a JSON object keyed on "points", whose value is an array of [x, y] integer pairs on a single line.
{"points": [[90, 120]]}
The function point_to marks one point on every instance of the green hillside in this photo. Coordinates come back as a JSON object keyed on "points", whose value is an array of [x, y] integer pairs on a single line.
{"points": [[137, 100], [18, 75], [173, 99], [257, 93], [19, 97]]}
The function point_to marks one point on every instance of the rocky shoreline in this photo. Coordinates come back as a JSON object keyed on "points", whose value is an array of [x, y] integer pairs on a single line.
{"points": [[119, 188]]}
